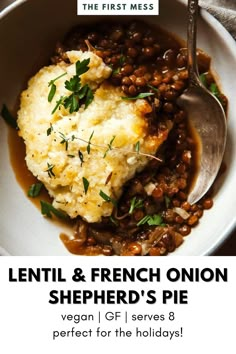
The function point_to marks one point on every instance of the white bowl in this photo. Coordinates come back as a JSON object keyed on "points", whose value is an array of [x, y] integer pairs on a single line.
{"points": [[28, 33]]}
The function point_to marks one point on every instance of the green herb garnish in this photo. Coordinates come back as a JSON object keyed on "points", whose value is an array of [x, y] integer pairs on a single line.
{"points": [[140, 95], [151, 220], [86, 185], [58, 104], [73, 84], [34, 190], [107, 198], [82, 67], [153, 88], [144, 220], [52, 92], [137, 147], [89, 97], [155, 220], [214, 90], [109, 146], [50, 130], [81, 157], [79, 94], [213, 86], [72, 102], [9, 119], [64, 140], [116, 71], [47, 210], [203, 79], [89, 143], [53, 87], [49, 170], [135, 204]]}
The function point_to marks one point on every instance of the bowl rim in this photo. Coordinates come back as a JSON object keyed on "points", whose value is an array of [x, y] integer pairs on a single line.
{"points": [[10, 7], [210, 19]]}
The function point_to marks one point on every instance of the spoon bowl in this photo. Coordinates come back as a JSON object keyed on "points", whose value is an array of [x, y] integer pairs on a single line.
{"points": [[206, 116], [208, 120]]}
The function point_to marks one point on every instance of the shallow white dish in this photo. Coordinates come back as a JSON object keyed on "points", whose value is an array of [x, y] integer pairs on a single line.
{"points": [[28, 33]]}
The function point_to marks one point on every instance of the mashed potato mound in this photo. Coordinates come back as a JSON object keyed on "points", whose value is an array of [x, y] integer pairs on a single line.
{"points": [[78, 155]]}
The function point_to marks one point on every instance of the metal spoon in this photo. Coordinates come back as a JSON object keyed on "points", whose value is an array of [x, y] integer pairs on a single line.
{"points": [[206, 115]]}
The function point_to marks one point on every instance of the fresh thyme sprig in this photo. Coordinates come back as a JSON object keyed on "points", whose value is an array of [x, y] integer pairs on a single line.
{"points": [[153, 88], [135, 152], [81, 157], [64, 140], [50, 130], [109, 146], [89, 143], [137, 147], [49, 170]]}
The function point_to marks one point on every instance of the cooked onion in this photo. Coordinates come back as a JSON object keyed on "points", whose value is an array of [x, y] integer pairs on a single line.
{"points": [[149, 188], [181, 212]]}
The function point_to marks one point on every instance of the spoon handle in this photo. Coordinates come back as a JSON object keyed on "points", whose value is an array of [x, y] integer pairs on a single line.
{"points": [[192, 43]]}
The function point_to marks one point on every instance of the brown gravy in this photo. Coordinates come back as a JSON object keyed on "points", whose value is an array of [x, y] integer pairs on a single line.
{"points": [[23, 176]]}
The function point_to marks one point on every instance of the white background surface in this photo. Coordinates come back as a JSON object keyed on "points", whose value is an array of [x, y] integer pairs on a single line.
{"points": [[27, 320]]}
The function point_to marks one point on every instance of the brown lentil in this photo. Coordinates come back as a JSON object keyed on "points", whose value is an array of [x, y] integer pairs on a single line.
{"points": [[176, 202], [148, 51], [168, 107], [107, 250], [132, 90], [186, 206], [126, 70], [134, 248], [154, 251], [132, 52], [193, 220], [179, 219], [140, 81], [157, 193], [185, 230], [207, 203], [137, 37], [126, 81], [138, 215]]}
